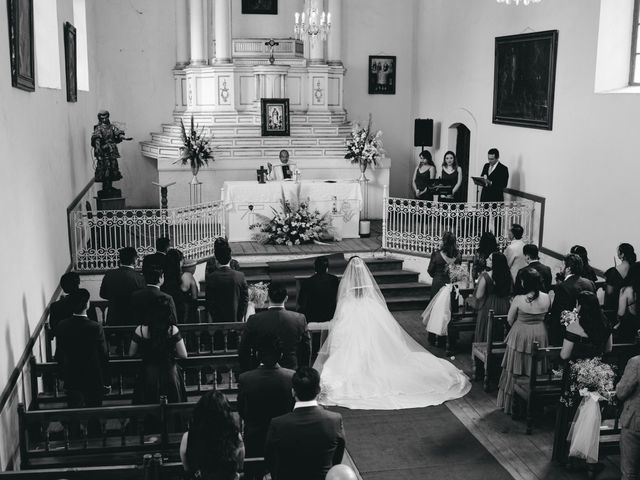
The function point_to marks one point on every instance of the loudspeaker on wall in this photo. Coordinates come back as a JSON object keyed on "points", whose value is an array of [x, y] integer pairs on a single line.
{"points": [[423, 132]]}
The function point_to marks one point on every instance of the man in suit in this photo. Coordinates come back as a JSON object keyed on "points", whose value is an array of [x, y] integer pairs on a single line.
{"points": [[497, 177], [289, 327], [318, 293], [307, 442], [61, 309], [144, 300], [514, 252], [227, 292], [531, 256], [159, 258], [263, 393], [117, 287], [82, 355], [566, 296], [628, 391], [213, 264]]}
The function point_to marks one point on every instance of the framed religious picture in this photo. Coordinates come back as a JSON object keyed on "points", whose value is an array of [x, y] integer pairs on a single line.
{"points": [[275, 116], [70, 62], [261, 7], [524, 79], [21, 44], [382, 75]]}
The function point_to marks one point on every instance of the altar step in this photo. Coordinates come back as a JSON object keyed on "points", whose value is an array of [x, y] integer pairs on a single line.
{"points": [[303, 139]]}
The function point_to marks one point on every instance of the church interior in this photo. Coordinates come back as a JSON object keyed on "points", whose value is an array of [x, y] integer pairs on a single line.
{"points": [[254, 80]]}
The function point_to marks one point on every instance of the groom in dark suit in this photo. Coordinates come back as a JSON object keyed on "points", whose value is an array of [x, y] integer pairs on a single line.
{"points": [[307, 442], [227, 292], [318, 293], [566, 296], [497, 177]]}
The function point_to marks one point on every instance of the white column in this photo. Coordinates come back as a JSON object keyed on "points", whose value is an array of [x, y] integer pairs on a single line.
{"points": [[196, 22], [182, 34], [334, 42], [316, 44], [211, 27], [223, 31]]}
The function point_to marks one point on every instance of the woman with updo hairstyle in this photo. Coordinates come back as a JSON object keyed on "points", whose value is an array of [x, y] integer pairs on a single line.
{"points": [[425, 171], [526, 317], [616, 277], [212, 449], [590, 336], [452, 174], [440, 261], [587, 269]]}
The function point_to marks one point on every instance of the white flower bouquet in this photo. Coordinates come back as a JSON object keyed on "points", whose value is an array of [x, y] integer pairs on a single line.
{"points": [[258, 294], [567, 317], [365, 147]]}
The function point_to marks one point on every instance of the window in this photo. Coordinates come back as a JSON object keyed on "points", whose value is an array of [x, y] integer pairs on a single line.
{"points": [[47, 47], [82, 56]]}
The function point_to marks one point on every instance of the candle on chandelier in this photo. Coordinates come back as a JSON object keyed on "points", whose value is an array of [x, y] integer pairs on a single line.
{"points": [[329, 18], [297, 16], [303, 17], [323, 19]]}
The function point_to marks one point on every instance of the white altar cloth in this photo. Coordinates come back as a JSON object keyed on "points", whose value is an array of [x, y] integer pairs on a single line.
{"points": [[244, 200]]}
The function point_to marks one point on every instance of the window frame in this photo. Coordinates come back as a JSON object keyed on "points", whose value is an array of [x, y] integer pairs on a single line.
{"points": [[633, 64]]}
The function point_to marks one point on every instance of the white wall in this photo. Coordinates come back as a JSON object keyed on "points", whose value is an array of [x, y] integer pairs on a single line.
{"points": [[44, 144], [587, 166], [136, 51]]}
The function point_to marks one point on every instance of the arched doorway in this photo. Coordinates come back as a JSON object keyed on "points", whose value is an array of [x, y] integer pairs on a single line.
{"points": [[460, 142]]}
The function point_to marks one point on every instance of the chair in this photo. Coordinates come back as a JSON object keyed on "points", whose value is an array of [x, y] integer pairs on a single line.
{"points": [[491, 351]]}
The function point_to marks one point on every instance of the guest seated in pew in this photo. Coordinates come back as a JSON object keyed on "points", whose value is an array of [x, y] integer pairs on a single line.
{"points": [[628, 324], [212, 449], [62, 308], [307, 442], [628, 391], [264, 393], [159, 343], [277, 321], [117, 287], [492, 292], [82, 355], [180, 285], [526, 317], [531, 255], [566, 295], [587, 270], [616, 277], [590, 336], [227, 292], [144, 301]]}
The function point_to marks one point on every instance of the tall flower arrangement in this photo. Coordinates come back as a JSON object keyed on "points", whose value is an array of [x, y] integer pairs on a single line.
{"points": [[365, 147], [195, 149]]}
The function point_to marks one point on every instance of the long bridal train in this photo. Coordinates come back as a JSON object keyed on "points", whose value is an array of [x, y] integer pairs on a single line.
{"points": [[369, 362]]}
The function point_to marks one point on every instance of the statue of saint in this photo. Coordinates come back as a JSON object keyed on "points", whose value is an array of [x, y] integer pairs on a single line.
{"points": [[104, 143]]}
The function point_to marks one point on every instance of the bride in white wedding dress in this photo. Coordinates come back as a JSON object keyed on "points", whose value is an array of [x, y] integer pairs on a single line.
{"points": [[369, 362]]}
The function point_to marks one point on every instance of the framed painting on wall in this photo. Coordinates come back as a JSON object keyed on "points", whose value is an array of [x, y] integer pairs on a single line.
{"points": [[382, 74], [524, 79], [70, 62], [21, 44], [260, 7], [275, 117]]}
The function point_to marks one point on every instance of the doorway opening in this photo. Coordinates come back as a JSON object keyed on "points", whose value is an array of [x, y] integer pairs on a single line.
{"points": [[460, 142]]}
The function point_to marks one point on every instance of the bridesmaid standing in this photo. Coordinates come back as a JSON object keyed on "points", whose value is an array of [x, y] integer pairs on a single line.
{"points": [[452, 173], [426, 170]]}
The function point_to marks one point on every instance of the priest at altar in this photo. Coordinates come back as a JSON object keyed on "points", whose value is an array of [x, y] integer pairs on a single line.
{"points": [[244, 201]]}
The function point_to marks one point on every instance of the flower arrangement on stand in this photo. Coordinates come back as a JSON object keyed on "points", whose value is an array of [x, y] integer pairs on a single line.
{"points": [[294, 225], [365, 148], [195, 149]]}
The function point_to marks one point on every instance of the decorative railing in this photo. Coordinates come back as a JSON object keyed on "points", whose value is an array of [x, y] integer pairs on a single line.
{"points": [[97, 236], [417, 226]]}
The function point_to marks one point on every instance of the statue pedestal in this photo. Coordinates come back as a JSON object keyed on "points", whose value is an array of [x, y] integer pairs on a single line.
{"points": [[110, 203]]}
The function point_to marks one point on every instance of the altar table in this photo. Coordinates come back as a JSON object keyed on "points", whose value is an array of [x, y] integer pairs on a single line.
{"points": [[246, 200]]}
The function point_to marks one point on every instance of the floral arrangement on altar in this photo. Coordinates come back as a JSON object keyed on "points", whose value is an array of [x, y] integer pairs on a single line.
{"points": [[458, 273], [567, 317], [294, 225], [365, 147], [258, 294], [195, 149], [589, 376]]}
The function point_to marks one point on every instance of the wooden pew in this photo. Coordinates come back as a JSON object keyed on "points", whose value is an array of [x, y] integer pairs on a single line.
{"points": [[119, 472], [490, 352], [200, 374]]}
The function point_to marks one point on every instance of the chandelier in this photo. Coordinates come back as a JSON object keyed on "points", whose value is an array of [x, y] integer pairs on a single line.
{"points": [[518, 2], [312, 22]]}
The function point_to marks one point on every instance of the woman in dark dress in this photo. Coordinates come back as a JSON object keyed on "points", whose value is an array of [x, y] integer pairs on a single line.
{"points": [[426, 170], [212, 449], [587, 269], [487, 245], [628, 323], [440, 261], [492, 292], [452, 173], [616, 276], [590, 336], [159, 344]]}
